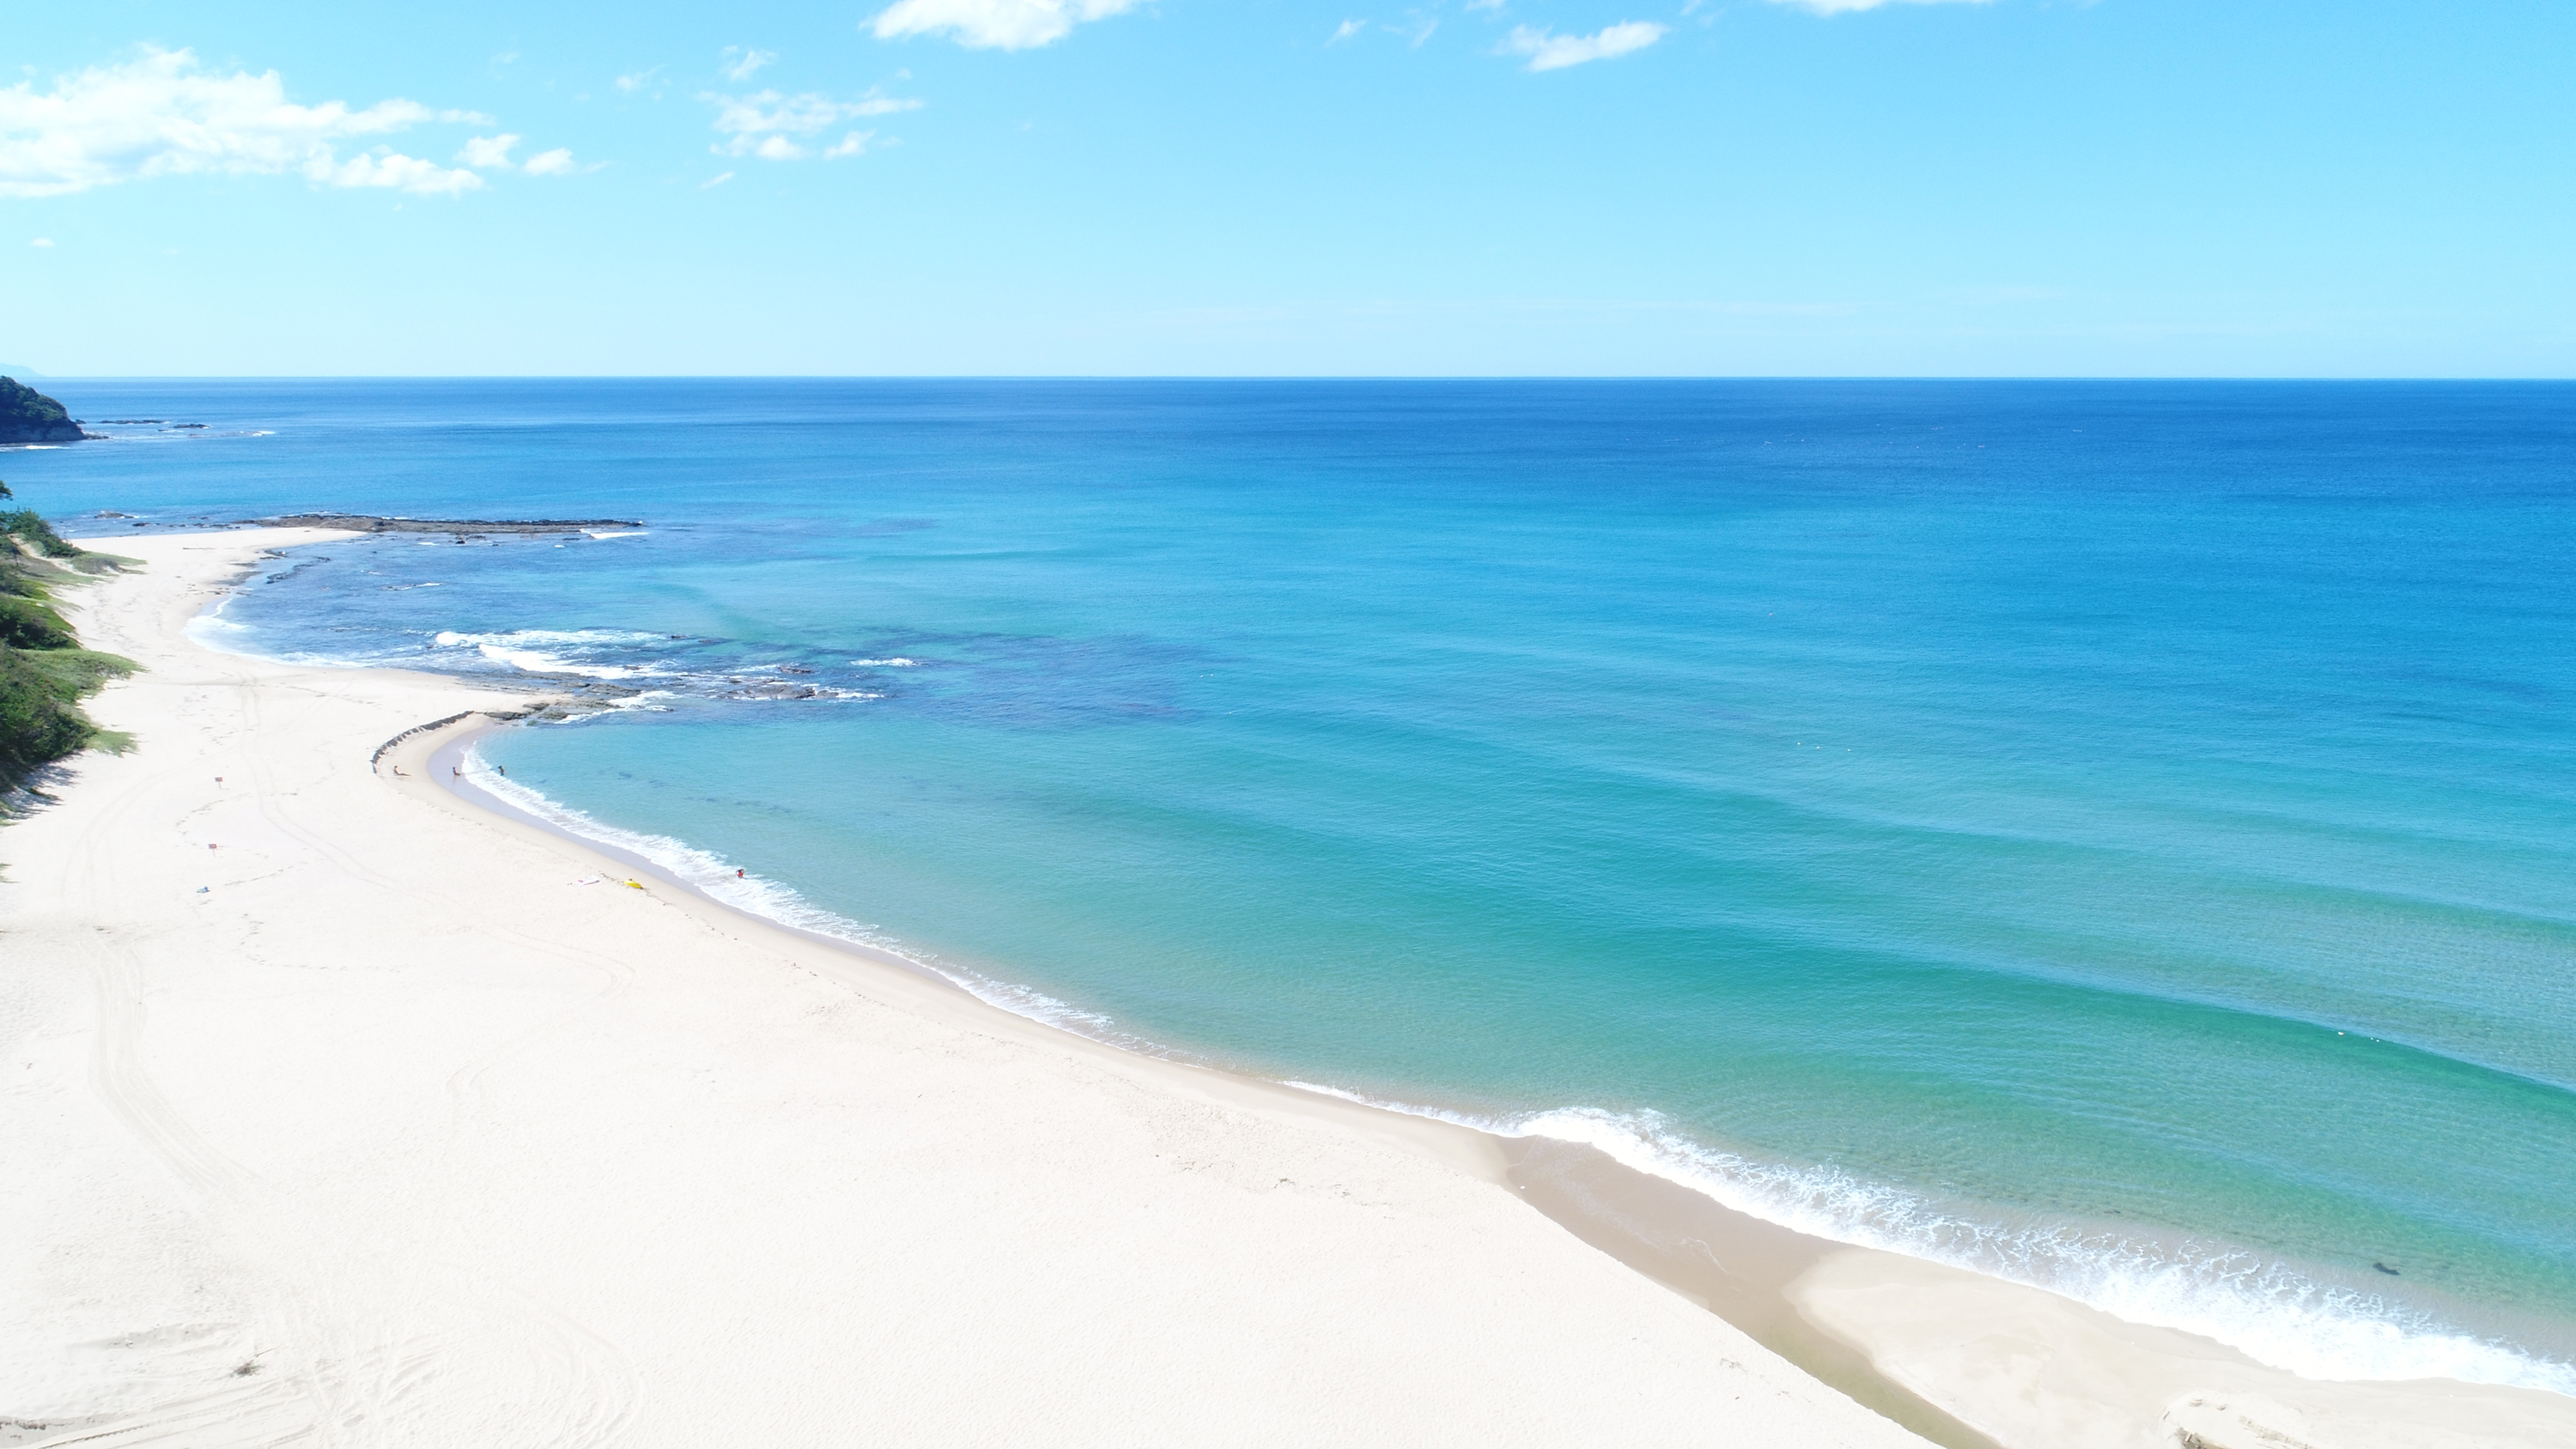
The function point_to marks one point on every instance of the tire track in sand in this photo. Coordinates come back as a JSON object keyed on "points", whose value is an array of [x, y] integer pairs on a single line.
{"points": [[583, 1377]]}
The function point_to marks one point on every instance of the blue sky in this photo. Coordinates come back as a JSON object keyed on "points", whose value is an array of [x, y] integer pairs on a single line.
{"points": [[1726, 187]]}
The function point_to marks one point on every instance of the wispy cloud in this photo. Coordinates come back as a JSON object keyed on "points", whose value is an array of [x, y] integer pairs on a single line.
{"points": [[492, 153], [639, 80], [1556, 52], [1837, 7], [739, 61], [1416, 28], [779, 127], [42, 241], [992, 24], [161, 114], [712, 182]]}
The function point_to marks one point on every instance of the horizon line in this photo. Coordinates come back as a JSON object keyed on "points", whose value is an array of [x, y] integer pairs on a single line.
{"points": [[1927, 377]]}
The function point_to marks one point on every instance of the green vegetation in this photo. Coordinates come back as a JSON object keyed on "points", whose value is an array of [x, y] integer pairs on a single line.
{"points": [[30, 525], [28, 416], [43, 670]]}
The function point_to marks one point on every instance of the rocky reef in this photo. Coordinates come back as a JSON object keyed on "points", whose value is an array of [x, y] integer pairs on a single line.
{"points": [[462, 527]]}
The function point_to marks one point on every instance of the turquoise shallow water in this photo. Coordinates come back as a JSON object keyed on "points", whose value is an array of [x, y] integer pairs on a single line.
{"points": [[2115, 835]]}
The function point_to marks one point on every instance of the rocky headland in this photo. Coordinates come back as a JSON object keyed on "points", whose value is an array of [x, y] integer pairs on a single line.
{"points": [[28, 416]]}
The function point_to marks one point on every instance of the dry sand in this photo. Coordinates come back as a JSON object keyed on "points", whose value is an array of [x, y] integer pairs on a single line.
{"points": [[396, 1135]]}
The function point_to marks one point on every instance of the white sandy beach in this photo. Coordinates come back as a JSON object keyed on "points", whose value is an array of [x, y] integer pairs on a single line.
{"points": [[394, 1134]]}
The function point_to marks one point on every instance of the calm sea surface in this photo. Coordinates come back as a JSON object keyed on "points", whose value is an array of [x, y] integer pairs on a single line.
{"points": [[2113, 835]]}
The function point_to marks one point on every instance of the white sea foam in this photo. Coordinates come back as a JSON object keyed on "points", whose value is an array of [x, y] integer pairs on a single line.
{"points": [[211, 623], [212, 630], [711, 874], [532, 650], [885, 663], [2272, 1313], [448, 638], [617, 533], [651, 699]]}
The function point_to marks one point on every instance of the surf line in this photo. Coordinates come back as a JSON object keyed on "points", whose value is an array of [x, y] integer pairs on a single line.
{"points": [[1657, 1227]]}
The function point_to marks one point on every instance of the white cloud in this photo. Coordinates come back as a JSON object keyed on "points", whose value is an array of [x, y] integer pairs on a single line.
{"points": [[493, 153], [713, 182], [1556, 52], [993, 24], [639, 79], [163, 115], [1347, 29], [1836, 7], [488, 151], [769, 125], [852, 144], [392, 169], [42, 241], [739, 61]]}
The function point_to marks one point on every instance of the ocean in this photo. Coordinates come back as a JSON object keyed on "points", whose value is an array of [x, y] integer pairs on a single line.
{"points": [[2111, 835]]}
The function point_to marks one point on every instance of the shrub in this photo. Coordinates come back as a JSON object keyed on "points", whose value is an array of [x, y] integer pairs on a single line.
{"points": [[30, 525]]}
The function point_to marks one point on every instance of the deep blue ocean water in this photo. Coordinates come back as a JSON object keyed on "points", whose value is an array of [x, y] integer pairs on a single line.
{"points": [[2116, 835]]}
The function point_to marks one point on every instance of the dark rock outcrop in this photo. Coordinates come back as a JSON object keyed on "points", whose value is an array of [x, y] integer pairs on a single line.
{"points": [[368, 523], [28, 416]]}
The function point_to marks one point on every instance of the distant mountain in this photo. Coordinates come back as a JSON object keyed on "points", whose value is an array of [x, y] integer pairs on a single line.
{"points": [[28, 416], [23, 374]]}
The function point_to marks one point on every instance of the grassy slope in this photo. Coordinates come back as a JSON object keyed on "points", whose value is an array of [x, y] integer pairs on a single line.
{"points": [[43, 670]]}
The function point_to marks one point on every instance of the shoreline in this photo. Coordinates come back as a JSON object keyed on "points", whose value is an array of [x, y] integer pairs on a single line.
{"points": [[1633, 1216], [1836, 1310], [2024, 1366], [358, 1116]]}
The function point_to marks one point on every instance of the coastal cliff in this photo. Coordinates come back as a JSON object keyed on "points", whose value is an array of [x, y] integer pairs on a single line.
{"points": [[28, 416]]}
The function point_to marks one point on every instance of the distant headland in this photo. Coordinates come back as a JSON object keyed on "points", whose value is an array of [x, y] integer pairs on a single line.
{"points": [[28, 416]]}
